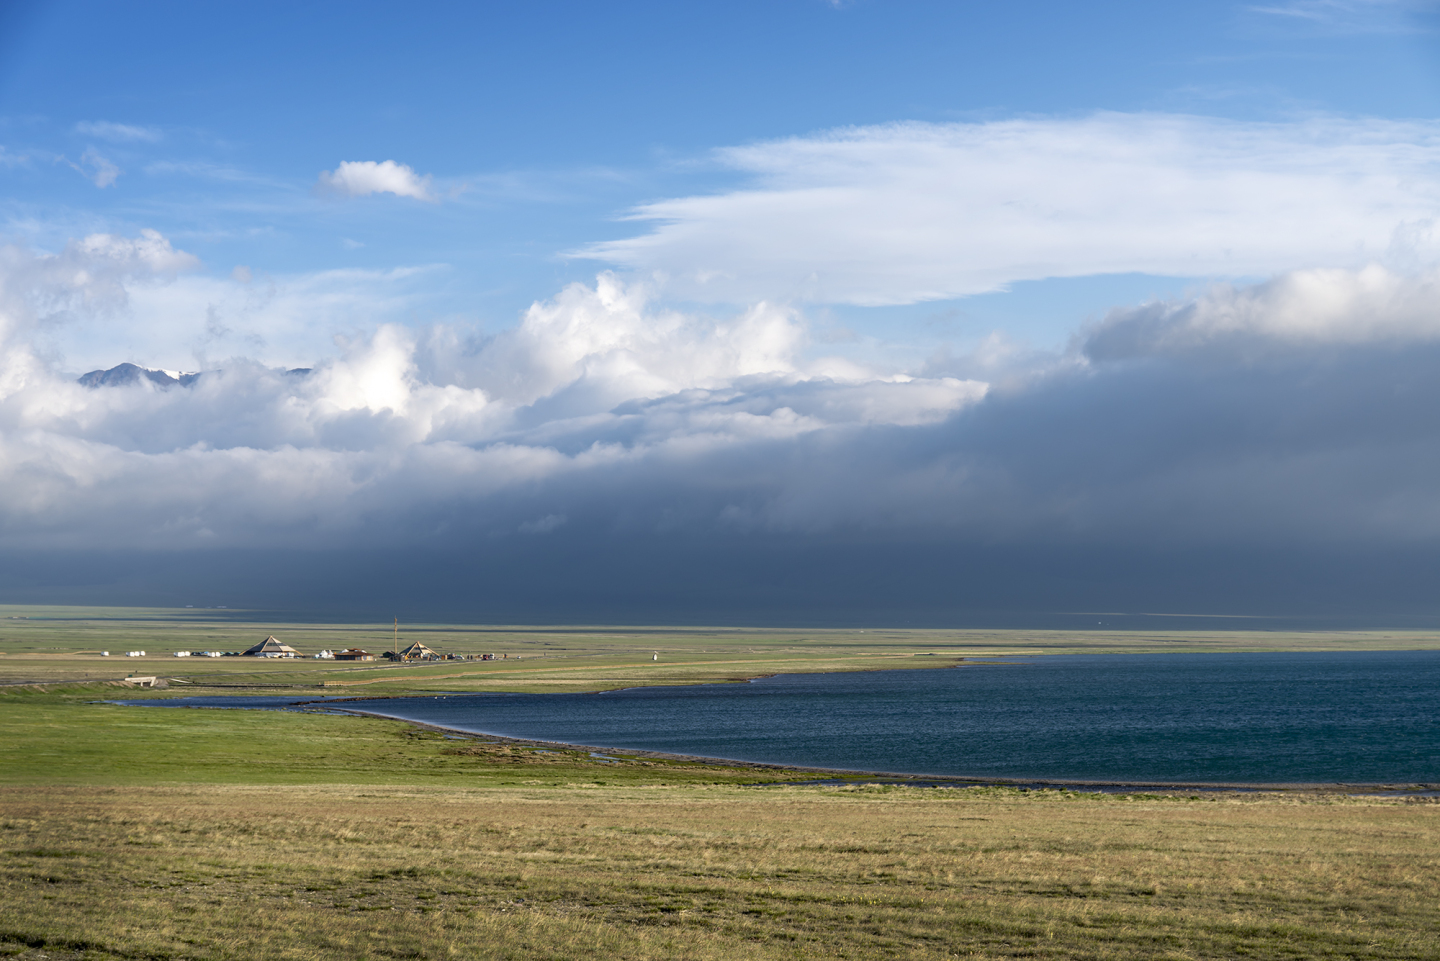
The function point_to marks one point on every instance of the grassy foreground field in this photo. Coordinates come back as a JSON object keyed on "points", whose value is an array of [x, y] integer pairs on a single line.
{"points": [[174, 834], [142, 833], [690, 871]]}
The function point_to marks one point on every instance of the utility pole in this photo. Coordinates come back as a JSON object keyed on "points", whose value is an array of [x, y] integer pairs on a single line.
{"points": [[397, 636]]}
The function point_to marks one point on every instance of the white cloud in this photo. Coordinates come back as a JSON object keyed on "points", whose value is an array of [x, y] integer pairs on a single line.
{"points": [[905, 213], [150, 253], [94, 275], [607, 339], [1327, 307], [91, 278], [98, 170], [359, 178], [200, 320], [117, 132], [1295, 412], [592, 386]]}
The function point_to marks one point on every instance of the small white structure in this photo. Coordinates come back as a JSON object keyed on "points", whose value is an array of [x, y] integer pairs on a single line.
{"points": [[324, 656], [134, 653], [181, 654]]}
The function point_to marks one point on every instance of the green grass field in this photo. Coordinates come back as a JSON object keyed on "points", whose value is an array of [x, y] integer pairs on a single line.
{"points": [[183, 834]]}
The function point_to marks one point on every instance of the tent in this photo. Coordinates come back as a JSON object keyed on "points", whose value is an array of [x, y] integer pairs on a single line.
{"points": [[418, 652], [270, 647]]}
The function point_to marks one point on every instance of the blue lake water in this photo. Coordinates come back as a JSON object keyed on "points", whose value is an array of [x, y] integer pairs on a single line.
{"points": [[1239, 718], [1258, 718]]}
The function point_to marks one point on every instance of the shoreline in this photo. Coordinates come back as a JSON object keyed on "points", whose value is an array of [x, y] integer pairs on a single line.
{"points": [[841, 776]]}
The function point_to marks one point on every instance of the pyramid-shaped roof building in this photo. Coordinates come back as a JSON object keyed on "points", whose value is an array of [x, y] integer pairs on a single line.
{"points": [[271, 647], [418, 650]]}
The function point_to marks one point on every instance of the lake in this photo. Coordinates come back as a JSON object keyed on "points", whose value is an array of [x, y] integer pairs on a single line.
{"points": [[1361, 717], [1366, 717]]}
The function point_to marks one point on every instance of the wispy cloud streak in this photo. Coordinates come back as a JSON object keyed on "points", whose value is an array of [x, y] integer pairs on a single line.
{"points": [[913, 212]]}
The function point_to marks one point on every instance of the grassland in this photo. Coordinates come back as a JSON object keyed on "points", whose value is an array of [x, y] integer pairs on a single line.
{"points": [[63, 645], [663, 871], [172, 834]]}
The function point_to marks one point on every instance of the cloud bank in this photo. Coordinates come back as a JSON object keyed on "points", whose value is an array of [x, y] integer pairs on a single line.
{"points": [[904, 213], [360, 178], [1292, 416], [1238, 411], [415, 435]]}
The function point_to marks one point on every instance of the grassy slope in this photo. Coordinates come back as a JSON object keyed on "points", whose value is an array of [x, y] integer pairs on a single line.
{"points": [[65, 737], [129, 832]]}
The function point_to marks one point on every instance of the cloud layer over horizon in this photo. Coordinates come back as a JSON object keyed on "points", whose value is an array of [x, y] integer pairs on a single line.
{"points": [[1296, 412]]}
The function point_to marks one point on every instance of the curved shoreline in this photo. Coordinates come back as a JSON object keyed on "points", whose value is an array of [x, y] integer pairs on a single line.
{"points": [[850, 776]]}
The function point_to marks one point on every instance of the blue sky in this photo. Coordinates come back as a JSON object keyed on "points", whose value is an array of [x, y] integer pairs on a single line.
{"points": [[543, 124], [845, 279]]}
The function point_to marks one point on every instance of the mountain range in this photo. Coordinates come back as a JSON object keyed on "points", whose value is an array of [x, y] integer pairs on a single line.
{"points": [[124, 375]]}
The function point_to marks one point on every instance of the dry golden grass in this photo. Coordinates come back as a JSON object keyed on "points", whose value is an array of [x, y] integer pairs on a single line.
{"points": [[709, 872]]}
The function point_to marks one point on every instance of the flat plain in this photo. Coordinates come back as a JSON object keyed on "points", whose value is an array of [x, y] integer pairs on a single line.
{"points": [[137, 833], [47, 644]]}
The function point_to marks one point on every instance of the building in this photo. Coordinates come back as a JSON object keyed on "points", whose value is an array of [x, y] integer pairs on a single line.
{"points": [[270, 647], [419, 652], [354, 654]]}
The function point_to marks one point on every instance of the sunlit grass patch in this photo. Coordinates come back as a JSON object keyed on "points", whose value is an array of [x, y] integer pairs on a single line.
{"points": [[710, 871]]}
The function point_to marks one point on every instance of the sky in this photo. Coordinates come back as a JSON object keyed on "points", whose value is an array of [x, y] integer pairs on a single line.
{"points": [[799, 311]]}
